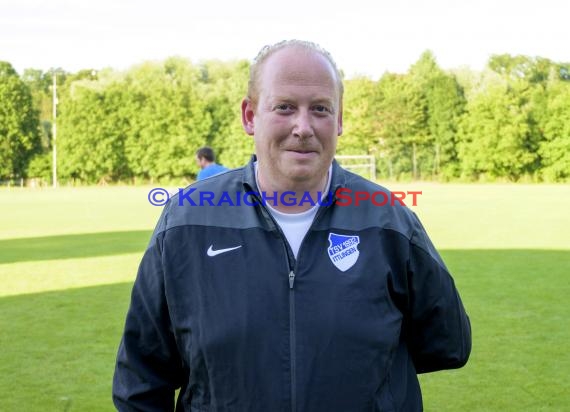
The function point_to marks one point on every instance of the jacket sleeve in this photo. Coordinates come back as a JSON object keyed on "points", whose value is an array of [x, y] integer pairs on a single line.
{"points": [[439, 331], [148, 368]]}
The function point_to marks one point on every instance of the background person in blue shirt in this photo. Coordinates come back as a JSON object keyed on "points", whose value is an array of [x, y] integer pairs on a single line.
{"points": [[207, 161]]}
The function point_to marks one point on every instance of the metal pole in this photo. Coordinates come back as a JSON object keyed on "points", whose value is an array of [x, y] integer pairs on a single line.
{"points": [[54, 131]]}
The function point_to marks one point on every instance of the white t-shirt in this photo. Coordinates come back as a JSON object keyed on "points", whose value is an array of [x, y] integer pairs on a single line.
{"points": [[296, 225]]}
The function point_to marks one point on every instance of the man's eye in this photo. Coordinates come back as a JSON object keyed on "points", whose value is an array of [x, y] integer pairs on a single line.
{"points": [[321, 109], [284, 107]]}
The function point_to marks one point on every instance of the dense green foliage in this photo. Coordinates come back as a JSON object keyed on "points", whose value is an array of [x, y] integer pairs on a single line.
{"points": [[509, 122], [19, 131]]}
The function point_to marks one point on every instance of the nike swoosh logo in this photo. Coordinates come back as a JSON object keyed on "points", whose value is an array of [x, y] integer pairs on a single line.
{"points": [[212, 252]]}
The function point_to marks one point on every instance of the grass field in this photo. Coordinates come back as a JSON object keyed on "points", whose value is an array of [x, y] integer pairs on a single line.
{"points": [[68, 258]]}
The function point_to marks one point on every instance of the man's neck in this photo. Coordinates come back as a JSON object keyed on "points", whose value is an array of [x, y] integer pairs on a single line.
{"points": [[315, 188]]}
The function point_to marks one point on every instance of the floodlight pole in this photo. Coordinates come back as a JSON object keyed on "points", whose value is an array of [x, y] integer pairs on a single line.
{"points": [[54, 131]]}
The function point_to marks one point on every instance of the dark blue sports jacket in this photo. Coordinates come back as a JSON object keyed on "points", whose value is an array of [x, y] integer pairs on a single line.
{"points": [[222, 309]]}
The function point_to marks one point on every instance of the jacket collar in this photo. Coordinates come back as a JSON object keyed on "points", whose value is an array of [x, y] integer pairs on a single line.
{"points": [[338, 179]]}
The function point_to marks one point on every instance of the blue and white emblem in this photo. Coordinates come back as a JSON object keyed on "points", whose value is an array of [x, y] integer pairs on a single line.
{"points": [[343, 250]]}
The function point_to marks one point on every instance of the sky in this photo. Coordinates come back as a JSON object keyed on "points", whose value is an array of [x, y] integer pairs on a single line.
{"points": [[365, 37]]}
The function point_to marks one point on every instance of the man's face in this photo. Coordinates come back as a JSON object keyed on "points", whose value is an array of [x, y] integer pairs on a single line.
{"points": [[201, 162], [297, 119]]}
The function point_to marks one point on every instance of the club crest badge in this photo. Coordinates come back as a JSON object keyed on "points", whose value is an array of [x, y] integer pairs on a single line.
{"points": [[343, 251]]}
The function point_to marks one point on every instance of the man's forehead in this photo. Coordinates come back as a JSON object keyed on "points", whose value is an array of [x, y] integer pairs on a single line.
{"points": [[290, 95], [303, 76], [295, 66]]}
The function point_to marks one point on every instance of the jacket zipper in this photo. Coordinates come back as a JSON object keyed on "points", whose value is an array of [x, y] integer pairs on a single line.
{"points": [[292, 342], [292, 321], [292, 337]]}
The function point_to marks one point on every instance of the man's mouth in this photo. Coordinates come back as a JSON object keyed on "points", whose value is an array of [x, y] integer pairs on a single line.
{"points": [[302, 151]]}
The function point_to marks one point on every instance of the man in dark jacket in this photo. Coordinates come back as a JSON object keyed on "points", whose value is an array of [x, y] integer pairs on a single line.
{"points": [[289, 284]]}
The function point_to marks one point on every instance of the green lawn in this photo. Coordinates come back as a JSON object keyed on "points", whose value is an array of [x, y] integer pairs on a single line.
{"points": [[68, 259]]}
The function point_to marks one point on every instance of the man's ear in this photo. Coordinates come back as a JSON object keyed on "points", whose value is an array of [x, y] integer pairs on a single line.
{"points": [[340, 119], [247, 115]]}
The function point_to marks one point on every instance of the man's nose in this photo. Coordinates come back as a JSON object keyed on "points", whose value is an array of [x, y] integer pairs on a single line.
{"points": [[303, 125]]}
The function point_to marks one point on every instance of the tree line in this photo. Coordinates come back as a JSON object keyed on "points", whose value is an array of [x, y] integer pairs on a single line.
{"points": [[510, 122]]}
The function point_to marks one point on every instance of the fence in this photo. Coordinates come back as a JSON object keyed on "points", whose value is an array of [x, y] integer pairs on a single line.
{"points": [[359, 164], [21, 182]]}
